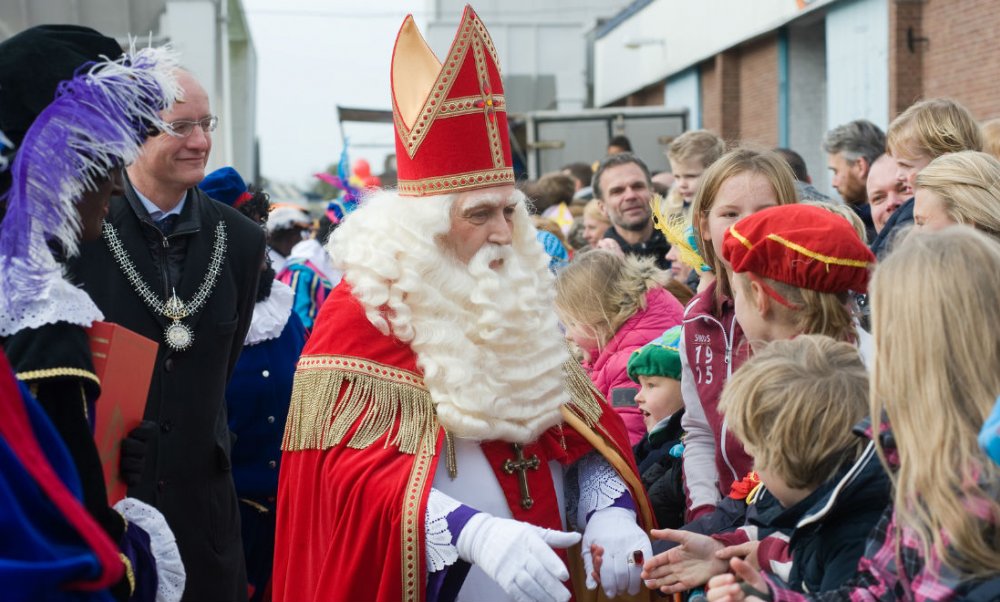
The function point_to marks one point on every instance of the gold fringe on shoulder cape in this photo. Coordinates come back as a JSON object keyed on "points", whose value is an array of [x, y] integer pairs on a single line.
{"points": [[333, 393]]}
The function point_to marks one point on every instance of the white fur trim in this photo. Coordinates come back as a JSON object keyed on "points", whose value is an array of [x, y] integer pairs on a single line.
{"points": [[170, 574]]}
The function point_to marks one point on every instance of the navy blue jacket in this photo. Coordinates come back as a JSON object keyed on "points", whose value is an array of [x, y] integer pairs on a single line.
{"points": [[257, 399]]}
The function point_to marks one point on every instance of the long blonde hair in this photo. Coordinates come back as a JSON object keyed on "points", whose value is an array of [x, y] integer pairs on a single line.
{"points": [[933, 127], [935, 316], [601, 290], [969, 185], [736, 162]]}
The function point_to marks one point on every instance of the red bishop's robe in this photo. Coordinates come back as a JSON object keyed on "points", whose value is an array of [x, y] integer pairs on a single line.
{"points": [[362, 444]]}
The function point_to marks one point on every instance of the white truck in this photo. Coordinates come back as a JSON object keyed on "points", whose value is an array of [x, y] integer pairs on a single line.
{"points": [[548, 140]]}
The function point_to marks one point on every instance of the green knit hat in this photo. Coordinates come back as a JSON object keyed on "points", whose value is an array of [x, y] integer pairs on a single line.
{"points": [[659, 357]]}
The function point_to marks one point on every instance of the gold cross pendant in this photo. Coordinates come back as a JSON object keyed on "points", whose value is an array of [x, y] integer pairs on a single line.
{"points": [[521, 465]]}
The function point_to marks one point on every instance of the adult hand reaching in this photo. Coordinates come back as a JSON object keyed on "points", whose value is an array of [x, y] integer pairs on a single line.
{"points": [[624, 544], [690, 564], [518, 556], [727, 588]]}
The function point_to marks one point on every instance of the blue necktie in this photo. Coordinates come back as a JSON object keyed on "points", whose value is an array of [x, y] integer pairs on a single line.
{"points": [[166, 224]]}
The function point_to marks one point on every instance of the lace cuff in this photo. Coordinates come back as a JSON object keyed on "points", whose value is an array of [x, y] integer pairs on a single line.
{"points": [[600, 487], [170, 573], [444, 521]]}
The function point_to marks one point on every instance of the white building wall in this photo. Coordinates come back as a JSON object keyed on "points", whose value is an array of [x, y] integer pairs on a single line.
{"points": [[807, 95], [684, 92], [857, 62], [533, 38], [668, 36]]}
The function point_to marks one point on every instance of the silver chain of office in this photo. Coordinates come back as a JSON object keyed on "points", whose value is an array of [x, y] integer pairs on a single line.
{"points": [[177, 335]]}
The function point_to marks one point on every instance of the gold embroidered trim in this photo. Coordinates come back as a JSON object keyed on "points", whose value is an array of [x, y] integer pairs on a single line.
{"points": [[583, 394], [332, 394], [57, 373], [457, 182], [489, 107], [743, 239], [261, 508], [466, 105], [827, 259], [129, 573], [412, 523], [413, 137]]}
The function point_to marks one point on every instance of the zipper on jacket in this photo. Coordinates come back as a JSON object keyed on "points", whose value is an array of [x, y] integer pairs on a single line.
{"points": [[729, 374]]}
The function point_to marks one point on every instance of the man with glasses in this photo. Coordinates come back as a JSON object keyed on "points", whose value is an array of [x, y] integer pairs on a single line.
{"points": [[181, 269]]}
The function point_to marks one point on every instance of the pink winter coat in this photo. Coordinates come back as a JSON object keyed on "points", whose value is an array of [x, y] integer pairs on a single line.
{"points": [[608, 370]]}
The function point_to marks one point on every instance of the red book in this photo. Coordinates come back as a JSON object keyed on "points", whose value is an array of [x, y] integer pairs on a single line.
{"points": [[123, 361]]}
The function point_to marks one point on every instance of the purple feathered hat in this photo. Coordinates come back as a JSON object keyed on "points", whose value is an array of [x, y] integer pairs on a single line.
{"points": [[97, 123]]}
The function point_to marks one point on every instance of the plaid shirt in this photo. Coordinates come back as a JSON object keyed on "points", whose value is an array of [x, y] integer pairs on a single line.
{"points": [[879, 576]]}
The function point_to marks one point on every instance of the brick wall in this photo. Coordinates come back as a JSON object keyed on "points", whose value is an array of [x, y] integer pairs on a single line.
{"points": [[905, 67], [961, 60], [758, 99], [720, 94]]}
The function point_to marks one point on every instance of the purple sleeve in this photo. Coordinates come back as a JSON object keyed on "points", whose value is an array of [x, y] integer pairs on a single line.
{"points": [[135, 546], [444, 585]]}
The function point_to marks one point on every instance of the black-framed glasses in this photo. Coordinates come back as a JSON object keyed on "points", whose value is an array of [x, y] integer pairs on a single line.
{"points": [[183, 128]]}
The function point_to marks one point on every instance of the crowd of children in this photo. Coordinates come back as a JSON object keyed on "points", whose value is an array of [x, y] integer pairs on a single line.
{"points": [[791, 451]]}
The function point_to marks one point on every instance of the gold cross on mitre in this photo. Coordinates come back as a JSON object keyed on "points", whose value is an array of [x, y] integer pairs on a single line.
{"points": [[521, 465]]}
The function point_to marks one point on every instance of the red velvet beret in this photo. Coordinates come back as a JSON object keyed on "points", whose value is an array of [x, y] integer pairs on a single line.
{"points": [[801, 245]]}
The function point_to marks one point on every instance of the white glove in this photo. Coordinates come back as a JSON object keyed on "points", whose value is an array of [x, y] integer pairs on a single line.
{"points": [[518, 556], [616, 531]]}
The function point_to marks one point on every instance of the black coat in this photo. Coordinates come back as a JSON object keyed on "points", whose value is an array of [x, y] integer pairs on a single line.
{"points": [[830, 527], [661, 472], [187, 474]]}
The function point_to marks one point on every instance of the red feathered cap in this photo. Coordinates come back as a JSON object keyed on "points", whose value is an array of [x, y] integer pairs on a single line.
{"points": [[801, 245], [450, 117]]}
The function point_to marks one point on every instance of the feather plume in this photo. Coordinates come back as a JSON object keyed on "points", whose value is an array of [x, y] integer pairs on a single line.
{"points": [[96, 124], [679, 233]]}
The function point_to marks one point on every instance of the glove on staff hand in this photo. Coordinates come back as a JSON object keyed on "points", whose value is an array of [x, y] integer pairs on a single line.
{"points": [[615, 530], [518, 556]]}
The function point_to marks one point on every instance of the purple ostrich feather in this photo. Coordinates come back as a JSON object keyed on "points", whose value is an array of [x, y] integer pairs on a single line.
{"points": [[97, 123]]}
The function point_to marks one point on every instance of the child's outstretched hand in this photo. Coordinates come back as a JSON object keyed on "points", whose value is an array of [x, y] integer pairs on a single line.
{"points": [[692, 563], [728, 588]]}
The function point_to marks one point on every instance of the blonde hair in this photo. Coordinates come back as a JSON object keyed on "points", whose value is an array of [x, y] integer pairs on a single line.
{"points": [[845, 212], [593, 211], [933, 127], [793, 405], [700, 145], [934, 317], [548, 225], [991, 136], [969, 185], [827, 314], [736, 162], [601, 290]]}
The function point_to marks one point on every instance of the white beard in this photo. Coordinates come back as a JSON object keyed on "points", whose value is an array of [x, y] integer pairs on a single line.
{"points": [[487, 341]]}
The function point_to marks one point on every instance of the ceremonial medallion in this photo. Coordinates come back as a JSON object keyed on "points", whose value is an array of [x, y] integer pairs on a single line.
{"points": [[178, 336]]}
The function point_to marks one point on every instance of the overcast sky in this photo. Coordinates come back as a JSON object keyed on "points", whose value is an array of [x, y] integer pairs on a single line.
{"points": [[311, 56]]}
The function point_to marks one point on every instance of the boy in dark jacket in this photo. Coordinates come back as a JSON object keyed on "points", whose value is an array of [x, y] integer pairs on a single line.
{"points": [[656, 367], [793, 406]]}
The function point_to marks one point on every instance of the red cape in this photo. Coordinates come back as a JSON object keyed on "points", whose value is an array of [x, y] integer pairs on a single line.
{"points": [[361, 450]]}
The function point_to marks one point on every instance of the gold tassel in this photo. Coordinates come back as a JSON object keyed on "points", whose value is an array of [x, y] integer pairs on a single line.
{"points": [[583, 394], [331, 394]]}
